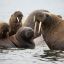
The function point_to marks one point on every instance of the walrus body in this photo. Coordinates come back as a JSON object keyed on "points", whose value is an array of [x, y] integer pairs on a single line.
{"points": [[53, 31], [34, 16], [55, 37], [6, 43], [22, 39], [15, 22]]}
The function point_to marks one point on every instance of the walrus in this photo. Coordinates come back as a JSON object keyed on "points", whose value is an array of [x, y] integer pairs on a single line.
{"points": [[22, 39], [4, 30], [4, 41], [15, 22], [34, 16], [53, 31]]}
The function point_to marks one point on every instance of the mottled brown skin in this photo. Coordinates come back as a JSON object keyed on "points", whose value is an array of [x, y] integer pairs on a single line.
{"points": [[53, 31], [15, 22], [4, 30], [30, 22], [22, 39]]}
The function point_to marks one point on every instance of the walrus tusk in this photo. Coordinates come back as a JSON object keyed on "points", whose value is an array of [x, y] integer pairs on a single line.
{"points": [[18, 19], [35, 24], [34, 19], [39, 27], [35, 27]]}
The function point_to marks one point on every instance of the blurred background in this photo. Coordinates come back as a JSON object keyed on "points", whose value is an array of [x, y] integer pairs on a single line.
{"points": [[7, 7]]}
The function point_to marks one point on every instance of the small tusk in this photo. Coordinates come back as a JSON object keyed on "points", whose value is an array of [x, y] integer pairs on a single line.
{"points": [[39, 27], [18, 19]]}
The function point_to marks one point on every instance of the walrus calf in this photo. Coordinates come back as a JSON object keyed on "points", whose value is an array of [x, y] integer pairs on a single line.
{"points": [[15, 22], [34, 16], [53, 31], [22, 39]]}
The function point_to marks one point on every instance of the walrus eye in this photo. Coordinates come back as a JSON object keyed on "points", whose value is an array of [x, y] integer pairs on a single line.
{"points": [[47, 15]]}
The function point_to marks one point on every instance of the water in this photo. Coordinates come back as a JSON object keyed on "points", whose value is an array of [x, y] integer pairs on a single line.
{"points": [[40, 55]]}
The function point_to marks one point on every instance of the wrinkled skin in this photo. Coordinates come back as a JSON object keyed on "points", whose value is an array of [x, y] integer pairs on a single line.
{"points": [[53, 31], [34, 17], [22, 39], [15, 22], [4, 30]]}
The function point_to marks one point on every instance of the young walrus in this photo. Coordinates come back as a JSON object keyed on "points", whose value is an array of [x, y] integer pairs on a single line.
{"points": [[22, 39], [53, 31], [15, 22]]}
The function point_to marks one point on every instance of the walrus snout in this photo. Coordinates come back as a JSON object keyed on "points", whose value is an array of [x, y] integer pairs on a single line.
{"points": [[38, 22], [29, 34], [18, 15]]}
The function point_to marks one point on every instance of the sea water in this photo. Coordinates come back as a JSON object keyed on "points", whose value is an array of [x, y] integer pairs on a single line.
{"points": [[40, 55]]}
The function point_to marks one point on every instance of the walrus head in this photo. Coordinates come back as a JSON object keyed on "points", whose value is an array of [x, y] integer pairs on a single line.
{"points": [[16, 18], [18, 15], [48, 21], [25, 37], [4, 30], [38, 19]]}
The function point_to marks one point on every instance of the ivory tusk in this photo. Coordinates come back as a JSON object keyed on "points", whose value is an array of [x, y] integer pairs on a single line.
{"points": [[39, 27], [34, 18], [35, 24], [35, 27], [18, 19]]}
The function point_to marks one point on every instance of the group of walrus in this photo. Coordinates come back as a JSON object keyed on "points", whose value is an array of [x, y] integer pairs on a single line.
{"points": [[18, 35]]}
